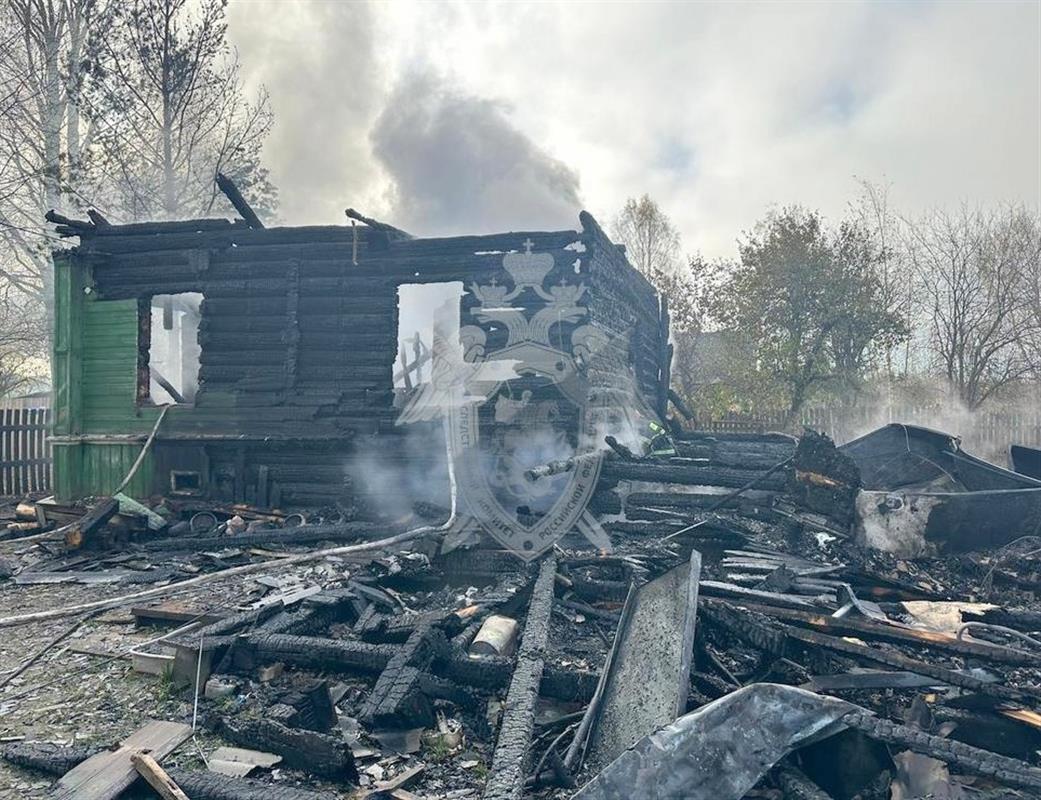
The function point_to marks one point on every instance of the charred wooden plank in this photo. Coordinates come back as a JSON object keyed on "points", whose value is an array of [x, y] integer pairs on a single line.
{"points": [[314, 651], [397, 698], [937, 640], [318, 753], [509, 763], [972, 760], [106, 775], [777, 639]]}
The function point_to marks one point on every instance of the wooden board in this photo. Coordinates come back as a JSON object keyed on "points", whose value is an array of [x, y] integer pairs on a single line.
{"points": [[106, 775], [174, 611]]}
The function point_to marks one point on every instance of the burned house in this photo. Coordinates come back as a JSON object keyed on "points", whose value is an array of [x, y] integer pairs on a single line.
{"points": [[711, 617], [274, 366]]}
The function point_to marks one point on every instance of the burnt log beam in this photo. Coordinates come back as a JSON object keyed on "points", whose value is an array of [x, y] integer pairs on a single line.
{"points": [[304, 534], [376, 224], [68, 226], [892, 633], [82, 533], [227, 626], [99, 220], [314, 614], [492, 674], [510, 759], [205, 785], [680, 405], [397, 628], [438, 688], [687, 474], [968, 759], [698, 502], [780, 640], [317, 753], [485, 674], [231, 191], [312, 651], [398, 699], [55, 759]]}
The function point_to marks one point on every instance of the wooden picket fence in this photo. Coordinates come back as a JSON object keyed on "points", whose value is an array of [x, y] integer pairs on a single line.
{"points": [[25, 453], [985, 433]]}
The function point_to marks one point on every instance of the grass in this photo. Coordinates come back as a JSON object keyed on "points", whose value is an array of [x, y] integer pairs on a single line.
{"points": [[165, 689], [437, 750]]}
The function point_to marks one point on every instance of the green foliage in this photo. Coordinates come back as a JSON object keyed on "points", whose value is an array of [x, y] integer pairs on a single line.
{"points": [[436, 749], [165, 688], [805, 301]]}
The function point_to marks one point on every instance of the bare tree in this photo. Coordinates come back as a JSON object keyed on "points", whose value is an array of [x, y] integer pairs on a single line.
{"points": [[651, 241], [1027, 226], [171, 85], [974, 267], [897, 288], [652, 244], [46, 49], [23, 327]]}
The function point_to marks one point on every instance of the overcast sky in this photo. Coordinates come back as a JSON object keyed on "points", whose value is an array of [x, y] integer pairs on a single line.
{"points": [[446, 117]]}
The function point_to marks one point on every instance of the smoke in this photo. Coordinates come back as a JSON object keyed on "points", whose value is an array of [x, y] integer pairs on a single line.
{"points": [[930, 403], [396, 475], [320, 67], [457, 165]]}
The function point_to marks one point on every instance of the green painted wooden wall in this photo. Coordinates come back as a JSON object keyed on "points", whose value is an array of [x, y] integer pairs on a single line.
{"points": [[95, 388]]}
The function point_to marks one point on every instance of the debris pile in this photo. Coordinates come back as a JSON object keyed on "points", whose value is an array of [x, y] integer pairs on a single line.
{"points": [[776, 618]]}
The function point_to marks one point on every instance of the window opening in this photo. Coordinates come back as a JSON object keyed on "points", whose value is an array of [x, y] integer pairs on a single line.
{"points": [[419, 305], [173, 348]]}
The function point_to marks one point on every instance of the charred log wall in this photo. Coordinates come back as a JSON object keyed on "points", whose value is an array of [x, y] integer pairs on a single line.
{"points": [[298, 339], [625, 303]]}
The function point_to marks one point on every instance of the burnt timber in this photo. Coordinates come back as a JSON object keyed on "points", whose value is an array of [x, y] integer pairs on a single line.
{"points": [[298, 343]]}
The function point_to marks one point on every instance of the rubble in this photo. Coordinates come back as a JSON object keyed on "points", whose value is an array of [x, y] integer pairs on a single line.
{"points": [[601, 604], [923, 494], [370, 651]]}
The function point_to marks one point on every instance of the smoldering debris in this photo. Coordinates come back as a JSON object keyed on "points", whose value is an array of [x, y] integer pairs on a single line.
{"points": [[806, 661]]}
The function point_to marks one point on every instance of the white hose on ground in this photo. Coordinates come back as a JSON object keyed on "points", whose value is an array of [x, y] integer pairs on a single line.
{"points": [[249, 569]]}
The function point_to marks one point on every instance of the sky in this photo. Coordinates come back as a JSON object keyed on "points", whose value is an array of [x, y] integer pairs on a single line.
{"points": [[446, 118]]}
